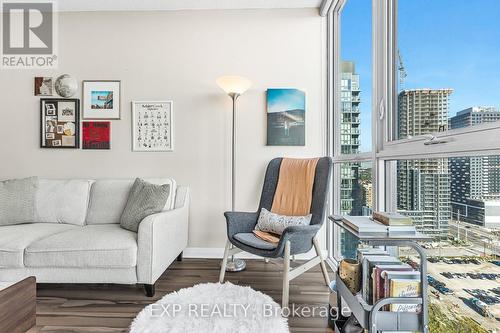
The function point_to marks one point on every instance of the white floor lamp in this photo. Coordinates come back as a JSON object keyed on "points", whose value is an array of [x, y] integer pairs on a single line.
{"points": [[234, 86]]}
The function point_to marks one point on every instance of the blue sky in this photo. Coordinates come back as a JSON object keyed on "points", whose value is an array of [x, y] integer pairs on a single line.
{"points": [[285, 99], [444, 44]]}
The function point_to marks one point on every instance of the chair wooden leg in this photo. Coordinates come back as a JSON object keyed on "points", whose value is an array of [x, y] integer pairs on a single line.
{"points": [[286, 278], [322, 262], [224, 262]]}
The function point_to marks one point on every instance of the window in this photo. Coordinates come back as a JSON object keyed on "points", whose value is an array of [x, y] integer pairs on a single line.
{"points": [[355, 74], [414, 128], [356, 199], [438, 72], [352, 115]]}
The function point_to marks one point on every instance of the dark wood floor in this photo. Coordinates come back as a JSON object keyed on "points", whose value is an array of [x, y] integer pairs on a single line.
{"points": [[111, 308]]}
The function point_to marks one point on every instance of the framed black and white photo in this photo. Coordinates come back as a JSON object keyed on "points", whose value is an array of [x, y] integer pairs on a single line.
{"points": [[101, 99], [59, 123], [44, 86], [152, 128]]}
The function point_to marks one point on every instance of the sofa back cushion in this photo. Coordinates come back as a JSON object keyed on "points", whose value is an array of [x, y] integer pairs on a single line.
{"points": [[62, 201], [108, 198], [17, 200]]}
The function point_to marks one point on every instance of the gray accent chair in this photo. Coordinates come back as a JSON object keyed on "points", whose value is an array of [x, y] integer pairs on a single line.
{"points": [[294, 240]]}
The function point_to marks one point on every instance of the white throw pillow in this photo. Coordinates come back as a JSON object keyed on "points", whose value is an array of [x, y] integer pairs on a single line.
{"points": [[62, 201], [275, 223]]}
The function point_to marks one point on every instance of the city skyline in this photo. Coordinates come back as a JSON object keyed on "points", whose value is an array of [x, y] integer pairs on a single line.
{"points": [[465, 60]]}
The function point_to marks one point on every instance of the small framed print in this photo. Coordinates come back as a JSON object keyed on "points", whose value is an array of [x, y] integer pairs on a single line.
{"points": [[152, 126], [101, 99], [96, 135], [44, 86], [59, 123]]}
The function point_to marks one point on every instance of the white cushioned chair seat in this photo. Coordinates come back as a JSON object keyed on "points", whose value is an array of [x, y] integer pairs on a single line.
{"points": [[106, 245], [15, 238], [108, 198]]}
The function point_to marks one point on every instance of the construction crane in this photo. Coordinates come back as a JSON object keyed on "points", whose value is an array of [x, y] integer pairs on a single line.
{"points": [[402, 71]]}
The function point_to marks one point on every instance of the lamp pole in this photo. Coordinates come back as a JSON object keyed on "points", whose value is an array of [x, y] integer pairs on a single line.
{"points": [[234, 97], [234, 86], [234, 265]]}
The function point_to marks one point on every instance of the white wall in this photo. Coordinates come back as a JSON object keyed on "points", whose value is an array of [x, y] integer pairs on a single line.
{"points": [[177, 56]]}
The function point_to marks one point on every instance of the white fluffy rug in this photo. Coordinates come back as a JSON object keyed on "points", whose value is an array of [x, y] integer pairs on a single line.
{"points": [[212, 307]]}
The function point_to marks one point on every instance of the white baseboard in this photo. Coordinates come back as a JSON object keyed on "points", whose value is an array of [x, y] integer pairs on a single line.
{"points": [[218, 253]]}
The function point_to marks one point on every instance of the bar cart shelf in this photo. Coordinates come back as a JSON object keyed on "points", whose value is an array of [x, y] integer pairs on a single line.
{"points": [[371, 317]]}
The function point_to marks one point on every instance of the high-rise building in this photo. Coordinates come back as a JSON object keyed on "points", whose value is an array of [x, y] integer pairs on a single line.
{"points": [[424, 184], [475, 181], [349, 137], [350, 190]]}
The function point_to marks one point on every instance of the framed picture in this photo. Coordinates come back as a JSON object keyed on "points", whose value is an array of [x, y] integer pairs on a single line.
{"points": [[152, 126], [286, 110], [44, 86], [59, 123], [96, 135], [101, 99]]}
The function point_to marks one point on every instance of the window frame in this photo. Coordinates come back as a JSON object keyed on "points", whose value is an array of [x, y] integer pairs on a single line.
{"points": [[476, 140]]}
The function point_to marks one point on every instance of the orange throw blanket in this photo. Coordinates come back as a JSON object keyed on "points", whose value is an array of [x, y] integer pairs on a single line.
{"points": [[267, 236], [293, 195]]}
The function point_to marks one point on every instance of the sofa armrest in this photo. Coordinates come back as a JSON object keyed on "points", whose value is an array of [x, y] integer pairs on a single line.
{"points": [[161, 238]]}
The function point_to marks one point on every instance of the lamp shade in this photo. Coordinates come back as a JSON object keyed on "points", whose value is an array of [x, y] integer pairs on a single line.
{"points": [[234, 84]]}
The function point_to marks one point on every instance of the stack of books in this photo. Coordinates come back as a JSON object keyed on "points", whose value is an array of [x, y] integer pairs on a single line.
{"points": [[386, 276], [380, 225], [397, 224], [364, 226]]}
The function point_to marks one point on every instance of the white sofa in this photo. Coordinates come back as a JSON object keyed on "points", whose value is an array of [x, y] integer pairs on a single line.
{"points": [[77, 238]]}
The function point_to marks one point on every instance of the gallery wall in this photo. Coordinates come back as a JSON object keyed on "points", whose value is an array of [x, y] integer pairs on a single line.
{"points": [[177, 56]]}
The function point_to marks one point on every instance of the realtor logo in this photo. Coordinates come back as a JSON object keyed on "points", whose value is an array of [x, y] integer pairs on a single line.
{"points": [[28, 35]]}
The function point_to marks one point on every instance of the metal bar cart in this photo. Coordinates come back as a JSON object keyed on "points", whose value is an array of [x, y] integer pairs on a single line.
{"points": [[370, 316]]}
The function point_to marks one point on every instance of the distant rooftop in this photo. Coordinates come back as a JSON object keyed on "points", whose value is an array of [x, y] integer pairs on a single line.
{"points": [[478, 109], [429, 90]]}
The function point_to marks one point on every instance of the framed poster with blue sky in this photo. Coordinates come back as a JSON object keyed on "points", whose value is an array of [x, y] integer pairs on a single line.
{"points": [[101, 99], [286, 113]]}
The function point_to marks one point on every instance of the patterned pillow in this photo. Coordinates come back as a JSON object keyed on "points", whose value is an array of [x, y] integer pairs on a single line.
{"points": [[144, 199], [275, 223]]}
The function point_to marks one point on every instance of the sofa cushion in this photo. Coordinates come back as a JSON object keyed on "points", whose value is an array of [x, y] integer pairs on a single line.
{"points": [[17, 200], [108, 198], [15, 238], [105, 245], [62, 201]]}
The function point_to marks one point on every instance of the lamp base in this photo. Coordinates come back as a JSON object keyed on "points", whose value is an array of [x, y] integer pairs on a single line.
{"points": [[235, 265]]}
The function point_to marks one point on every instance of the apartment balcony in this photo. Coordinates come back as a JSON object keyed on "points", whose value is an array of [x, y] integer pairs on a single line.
{"points": [[352, 131]]}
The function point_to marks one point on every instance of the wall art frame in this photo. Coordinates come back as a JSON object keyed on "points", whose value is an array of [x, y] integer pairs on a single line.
{"points": [[96, 135], [60, 123], [152, 126], [101, 99]]}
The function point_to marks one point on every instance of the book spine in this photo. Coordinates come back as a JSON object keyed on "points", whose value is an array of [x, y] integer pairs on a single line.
{"points": [[391, 221], [381, 218], [376, 281], [365, 279]]}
